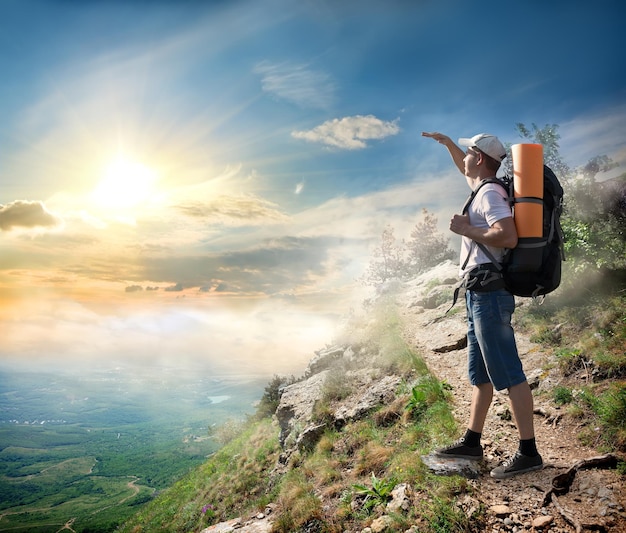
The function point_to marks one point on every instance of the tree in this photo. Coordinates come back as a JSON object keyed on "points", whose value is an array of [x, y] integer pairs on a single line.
{"points": [[388, 260], [593, 218], [548, 136], [271, 395], [428, 247]]}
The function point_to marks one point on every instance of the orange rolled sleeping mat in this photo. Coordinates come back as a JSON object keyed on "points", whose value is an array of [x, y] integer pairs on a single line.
{"points": [[528, 207], [528, 189]]}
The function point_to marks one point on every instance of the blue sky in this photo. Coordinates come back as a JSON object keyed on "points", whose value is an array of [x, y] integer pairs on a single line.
{"points": [[208, 179]]}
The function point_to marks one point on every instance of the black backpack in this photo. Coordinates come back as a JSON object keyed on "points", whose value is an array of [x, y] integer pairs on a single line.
{"points": [[533, 267]]}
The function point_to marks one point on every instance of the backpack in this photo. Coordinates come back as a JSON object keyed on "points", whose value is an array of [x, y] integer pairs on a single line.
{"points": [[533, 267]]}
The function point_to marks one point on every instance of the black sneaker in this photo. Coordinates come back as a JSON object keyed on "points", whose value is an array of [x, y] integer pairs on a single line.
{"points": [[460, 450], [518, 464]]}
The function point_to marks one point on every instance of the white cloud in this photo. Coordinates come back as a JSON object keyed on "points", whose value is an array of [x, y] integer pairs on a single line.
{"points": [[598, 134], [350, 133], [297, 84]]}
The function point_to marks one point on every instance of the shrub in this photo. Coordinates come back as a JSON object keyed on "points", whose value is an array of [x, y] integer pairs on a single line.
{"points": [[378, 494], [562, 395], [427, 392]]}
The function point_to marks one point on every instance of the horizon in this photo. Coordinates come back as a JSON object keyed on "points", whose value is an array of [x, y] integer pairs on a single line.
{"points": [[201, 184]]}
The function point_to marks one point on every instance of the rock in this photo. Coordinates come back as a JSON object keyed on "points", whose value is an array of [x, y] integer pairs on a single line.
{"points": [[309, 437], [503, 412], [452, 466], [381, 524], [447, 336], [323, 359], [500, 510], [534, 377], [469, 505], [255, 525], [296, 404], [375, 393], [223, 527], [542, 521], [434, 298], [399, 498]]}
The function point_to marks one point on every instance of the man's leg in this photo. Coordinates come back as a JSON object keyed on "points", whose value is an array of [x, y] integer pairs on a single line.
{"points": [[527, 458], [522, 406], [482, 395], [468, 446]]}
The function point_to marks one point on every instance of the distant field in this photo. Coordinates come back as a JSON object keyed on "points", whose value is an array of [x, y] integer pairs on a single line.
{"points": [[87, 451]]}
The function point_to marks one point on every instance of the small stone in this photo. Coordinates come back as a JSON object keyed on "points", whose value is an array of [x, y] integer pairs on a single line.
{"points": [[380, 524], [500, 510], [542, 521], [503, 412]]}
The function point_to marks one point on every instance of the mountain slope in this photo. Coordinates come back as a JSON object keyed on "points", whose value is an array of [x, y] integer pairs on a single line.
{"points": [[344, 449]]}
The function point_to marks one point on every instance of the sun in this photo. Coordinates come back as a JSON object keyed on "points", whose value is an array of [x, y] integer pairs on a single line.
{"points": [[125, 184]]}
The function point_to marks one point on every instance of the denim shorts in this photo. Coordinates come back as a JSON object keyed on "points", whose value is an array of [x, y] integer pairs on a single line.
{"points": [[492, 351]]}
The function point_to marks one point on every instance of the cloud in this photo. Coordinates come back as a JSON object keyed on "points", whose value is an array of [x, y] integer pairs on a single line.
{"points": [[175, 288], [599, 133], [237, 210], [134, 288], [265, 268], [26, 214], [297, 84], [349, 133]]}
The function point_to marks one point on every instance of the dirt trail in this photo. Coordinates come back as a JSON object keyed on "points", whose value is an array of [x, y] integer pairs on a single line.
{"points": [[133, 487], [597, 498]]}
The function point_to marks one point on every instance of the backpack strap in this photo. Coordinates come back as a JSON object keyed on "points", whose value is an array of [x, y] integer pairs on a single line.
{"points": [[466, 206], [466, 282]]}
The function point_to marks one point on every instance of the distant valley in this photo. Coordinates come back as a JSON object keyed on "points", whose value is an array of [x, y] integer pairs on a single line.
{"points": [[89, 446]]}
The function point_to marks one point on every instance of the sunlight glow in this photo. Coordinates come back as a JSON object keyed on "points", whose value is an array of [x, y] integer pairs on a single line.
{"points": [[125, 184]]}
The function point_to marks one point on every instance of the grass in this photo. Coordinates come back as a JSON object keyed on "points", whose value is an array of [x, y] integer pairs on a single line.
{"points": [[345, 480], [234, 481], [352, 469], [584, 323]]}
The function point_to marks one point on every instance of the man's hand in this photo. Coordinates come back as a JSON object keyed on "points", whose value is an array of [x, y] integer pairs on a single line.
{"points": [[501, 235], [460, 224], [439, 137], [456, 153]]}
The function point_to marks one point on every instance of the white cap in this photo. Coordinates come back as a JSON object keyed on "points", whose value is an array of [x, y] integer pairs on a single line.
{"points": [[486, 143]]}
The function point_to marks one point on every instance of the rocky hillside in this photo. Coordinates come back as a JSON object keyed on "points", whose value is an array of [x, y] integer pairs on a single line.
{"points": [[351, 394]]}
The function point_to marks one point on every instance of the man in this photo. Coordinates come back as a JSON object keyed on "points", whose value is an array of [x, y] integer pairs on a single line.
{"points": [[493, 360]]}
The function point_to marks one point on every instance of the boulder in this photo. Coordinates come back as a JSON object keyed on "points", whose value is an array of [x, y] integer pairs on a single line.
{"points": [[296, 404], [369, 396]]}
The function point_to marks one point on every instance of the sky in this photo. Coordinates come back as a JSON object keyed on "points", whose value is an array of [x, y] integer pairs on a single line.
{"points": [[202, 183]]}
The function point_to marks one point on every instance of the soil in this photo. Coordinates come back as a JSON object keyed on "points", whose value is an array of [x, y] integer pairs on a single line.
{"points": [[596, 500]]}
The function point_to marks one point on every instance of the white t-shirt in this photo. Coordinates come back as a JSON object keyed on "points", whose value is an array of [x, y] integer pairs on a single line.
{"points": [[489, 206]]}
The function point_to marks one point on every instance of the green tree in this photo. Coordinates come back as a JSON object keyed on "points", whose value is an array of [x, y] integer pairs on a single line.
{"points": [[271, 395], [427, 247], [593, 219], [548, 136], [388, 260]]}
